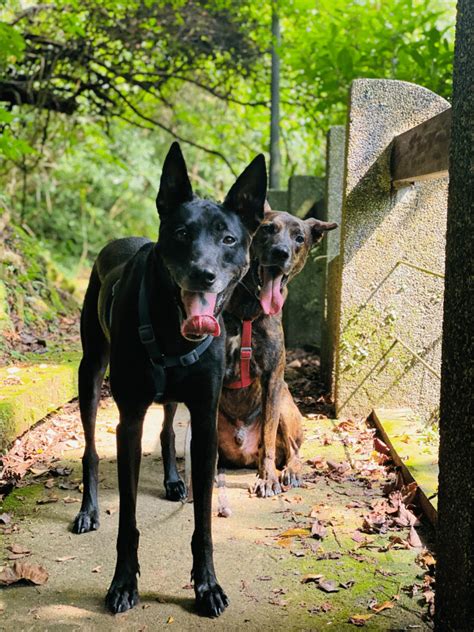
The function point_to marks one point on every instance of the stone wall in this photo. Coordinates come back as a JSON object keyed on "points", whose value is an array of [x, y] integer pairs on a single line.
{"points": [[305, 303], [389, 313]]}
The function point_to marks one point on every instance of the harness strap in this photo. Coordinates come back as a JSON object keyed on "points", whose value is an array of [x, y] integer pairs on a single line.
{"points": [[245, 356], [159, 361]]}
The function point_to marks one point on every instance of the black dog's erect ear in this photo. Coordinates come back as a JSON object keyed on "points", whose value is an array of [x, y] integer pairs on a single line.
{"points": [[175, 187], [318, 228], [247, 195]]}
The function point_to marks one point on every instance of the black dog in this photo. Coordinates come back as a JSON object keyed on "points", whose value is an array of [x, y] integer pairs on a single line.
{"points": [[154, 311]]}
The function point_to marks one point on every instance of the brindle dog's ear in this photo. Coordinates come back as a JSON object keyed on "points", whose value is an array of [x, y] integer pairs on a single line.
{"points": [[175, 187], [318, 228], [248, 194]]}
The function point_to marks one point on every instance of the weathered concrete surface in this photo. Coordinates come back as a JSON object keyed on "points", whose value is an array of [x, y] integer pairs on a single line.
{"points": [[29, 393], [379, 299], [335, 157], [304, 305], [278, 199], [260, 571]]}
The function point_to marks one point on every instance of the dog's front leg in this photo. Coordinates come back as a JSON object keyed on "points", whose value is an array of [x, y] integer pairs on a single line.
{"points": [[268, 483], [210, 598], [123, 591]]}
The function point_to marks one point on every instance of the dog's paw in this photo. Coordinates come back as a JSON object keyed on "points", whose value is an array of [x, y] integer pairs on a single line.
{"points": [[266, 487], [211, 600], [176, 490], [289, 478], [87, 520], [122, 596]]}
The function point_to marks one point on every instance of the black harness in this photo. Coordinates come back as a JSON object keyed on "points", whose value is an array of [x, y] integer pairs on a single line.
{"points": [[160, 362]]}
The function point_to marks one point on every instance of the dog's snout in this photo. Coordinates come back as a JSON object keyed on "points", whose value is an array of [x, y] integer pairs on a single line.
{"points": [[203, 276], [280, 253]]}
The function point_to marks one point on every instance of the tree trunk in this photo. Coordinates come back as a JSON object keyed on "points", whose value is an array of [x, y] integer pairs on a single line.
{"points": [[275, 158], [454, 574]]}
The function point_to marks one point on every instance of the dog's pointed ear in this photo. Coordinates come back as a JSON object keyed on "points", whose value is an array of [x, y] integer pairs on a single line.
{"points": [[319, 228], [247, 195], [175, 187]]}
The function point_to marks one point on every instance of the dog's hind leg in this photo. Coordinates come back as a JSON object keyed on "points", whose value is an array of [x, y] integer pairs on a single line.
{"points": [[91, 374], [289, 439], [174, 485], [224, 509]]}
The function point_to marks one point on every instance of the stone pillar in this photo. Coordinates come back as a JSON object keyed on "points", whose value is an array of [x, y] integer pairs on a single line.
{"points": [[304, 305], [278, 199], [386, 306], [335, 155], [454, 610]]}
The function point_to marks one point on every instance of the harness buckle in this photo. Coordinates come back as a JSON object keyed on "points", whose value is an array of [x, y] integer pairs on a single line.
{"points": [[245, 353], [146, 334], [189, 358]]}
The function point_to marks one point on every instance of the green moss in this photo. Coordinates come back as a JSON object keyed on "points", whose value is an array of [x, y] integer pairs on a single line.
{"points": [[34, 392], [5, 322], [22, 501]]}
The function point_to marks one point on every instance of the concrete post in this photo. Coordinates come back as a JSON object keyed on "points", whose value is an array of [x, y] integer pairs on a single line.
{"points": [[389, 313], [278, 199], [335, 156]]}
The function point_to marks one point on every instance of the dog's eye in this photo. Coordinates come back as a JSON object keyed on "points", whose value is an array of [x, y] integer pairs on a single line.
{"points": [[299, 239], [229, 240], [268, 228], [181, 234]]}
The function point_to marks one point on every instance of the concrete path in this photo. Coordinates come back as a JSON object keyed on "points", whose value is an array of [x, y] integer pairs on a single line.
{"points": [[260, 569]]}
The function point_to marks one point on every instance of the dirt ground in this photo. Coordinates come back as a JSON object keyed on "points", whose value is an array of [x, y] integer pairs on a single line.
{"points": [[275, 573]]}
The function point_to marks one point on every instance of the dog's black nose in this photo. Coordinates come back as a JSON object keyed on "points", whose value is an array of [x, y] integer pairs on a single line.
{"points": [[203, 276], [280, 253]]}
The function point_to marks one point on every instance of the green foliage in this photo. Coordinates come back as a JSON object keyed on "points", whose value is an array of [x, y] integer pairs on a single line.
{"points": [[106, 85]]}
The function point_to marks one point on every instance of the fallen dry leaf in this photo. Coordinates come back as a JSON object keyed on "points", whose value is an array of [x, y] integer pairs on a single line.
{"points": [[328, 585], [347, 584], [70, 499], [170, 619], [22, 571], [18, 549], [47, 500], [5, 518], [425, 559], [97, 569], [318, 530], [379, 607], [297, 532], [311, 577], [380, 446], [414, 539], [360, 619], [65, 558]]}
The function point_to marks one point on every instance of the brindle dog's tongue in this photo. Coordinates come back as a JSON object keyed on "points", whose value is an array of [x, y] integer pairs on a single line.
{"points": [[271, 298], [200, 319]]}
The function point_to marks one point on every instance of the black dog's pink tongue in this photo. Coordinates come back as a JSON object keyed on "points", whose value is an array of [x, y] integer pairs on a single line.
{"points": [[200, 319], [271, 298]]}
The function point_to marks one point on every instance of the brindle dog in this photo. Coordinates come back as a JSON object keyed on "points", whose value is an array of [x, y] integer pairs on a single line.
{"points": [[260, 425]]}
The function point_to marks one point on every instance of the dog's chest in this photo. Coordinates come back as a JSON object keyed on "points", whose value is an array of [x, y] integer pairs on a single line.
{"points": [[233, 356]]}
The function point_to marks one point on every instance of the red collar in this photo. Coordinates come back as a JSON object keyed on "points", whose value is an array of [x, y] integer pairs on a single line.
{"points": [[245, 355]]}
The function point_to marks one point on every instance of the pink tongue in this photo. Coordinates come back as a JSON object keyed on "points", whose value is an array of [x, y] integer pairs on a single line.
{"points": [[200, 319], [271, 298]]}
